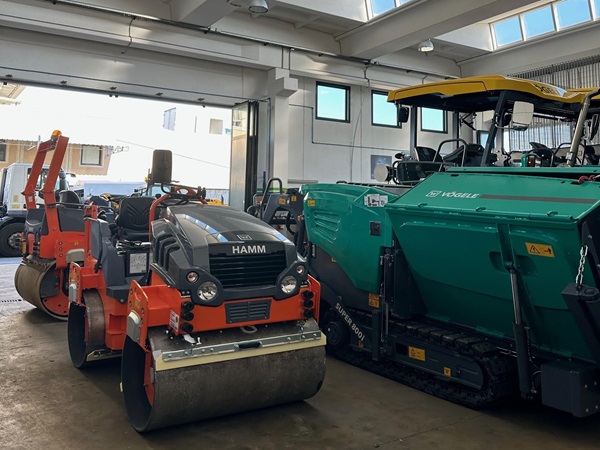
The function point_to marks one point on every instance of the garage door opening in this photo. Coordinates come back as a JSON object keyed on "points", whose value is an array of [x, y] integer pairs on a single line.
{"points": [[113, 137]]}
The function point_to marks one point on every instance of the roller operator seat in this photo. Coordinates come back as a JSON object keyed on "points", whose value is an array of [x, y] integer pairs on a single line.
{"points": [[69, 197], [132, 221]]}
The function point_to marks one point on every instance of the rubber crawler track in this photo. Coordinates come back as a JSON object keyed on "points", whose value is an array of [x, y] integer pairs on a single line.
{"points": [[498, 368]]}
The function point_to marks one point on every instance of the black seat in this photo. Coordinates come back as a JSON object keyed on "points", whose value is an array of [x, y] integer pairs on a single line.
{"points": [[472, 157], [133, 219], [99, 201], [69, 197], [427, 154]]}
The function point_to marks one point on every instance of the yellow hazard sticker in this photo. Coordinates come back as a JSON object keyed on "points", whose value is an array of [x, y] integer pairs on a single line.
{"points": [[282, 200], [447, 372], [416, 353], [373, 300], [294, 198], [310, 202], [540, 250]]}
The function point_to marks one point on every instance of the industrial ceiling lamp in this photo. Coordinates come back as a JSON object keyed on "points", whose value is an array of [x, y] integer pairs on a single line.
{"points": [[258, 6], [426, 46]]}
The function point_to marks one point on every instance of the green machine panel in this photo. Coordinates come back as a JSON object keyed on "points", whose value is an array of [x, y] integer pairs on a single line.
{"points": [[349, 222], [460, 231]]}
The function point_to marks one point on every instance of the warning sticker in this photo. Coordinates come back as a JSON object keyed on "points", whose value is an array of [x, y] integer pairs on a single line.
{"points": [[310, 202], [376, 200], [447, 372], [282, 200], [373, 300], [416, 353], [540, 250], [174, 320]]}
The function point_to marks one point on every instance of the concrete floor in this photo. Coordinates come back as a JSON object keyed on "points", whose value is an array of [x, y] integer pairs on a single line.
{"points": [[45, 403]]}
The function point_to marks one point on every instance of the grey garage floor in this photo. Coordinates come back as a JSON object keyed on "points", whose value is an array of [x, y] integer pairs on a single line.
{"points": [[45, 403]]}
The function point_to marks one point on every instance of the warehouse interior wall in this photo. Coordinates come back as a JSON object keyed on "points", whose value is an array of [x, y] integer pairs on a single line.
{"points": [[89, 51]]}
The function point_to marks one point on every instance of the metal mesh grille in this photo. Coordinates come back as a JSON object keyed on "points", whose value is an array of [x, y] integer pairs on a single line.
{"points": [[580, 73], [247, 270]]}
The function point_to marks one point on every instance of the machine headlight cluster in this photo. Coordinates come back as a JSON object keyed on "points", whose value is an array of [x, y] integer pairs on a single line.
{"points": [[288, 284], [207, 291]]}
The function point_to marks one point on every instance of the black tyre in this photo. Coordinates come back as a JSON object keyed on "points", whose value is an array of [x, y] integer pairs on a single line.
{"points": [[10, 238], [337, 333]]}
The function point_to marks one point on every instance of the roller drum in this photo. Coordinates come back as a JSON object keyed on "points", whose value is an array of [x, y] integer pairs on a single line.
{"points": [[85, 331], [202, 391], [41, 286]]}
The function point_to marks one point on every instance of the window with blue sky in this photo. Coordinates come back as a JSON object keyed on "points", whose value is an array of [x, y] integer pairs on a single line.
{"points": [[433, 120], [333, 102], [383, 113], [508, 31], [538, 21], [381, 6], [572, 12], [550, 18]]}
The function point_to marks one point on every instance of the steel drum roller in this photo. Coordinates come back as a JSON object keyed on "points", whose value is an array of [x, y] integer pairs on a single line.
{"points": [[42, 288], [195, 390]]}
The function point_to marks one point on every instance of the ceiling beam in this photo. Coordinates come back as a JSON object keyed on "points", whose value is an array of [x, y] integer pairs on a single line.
{"points": [[416, 21], [202, 12]]}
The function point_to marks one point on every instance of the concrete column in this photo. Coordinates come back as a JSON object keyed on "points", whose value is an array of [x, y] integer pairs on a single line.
{"points": [[280, 88]]}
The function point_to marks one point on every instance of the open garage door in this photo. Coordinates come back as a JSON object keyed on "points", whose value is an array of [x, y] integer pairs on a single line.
{"points": [[244, 155]]}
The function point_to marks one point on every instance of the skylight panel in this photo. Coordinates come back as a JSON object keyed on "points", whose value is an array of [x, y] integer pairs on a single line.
{"points": [[572, 12], [381, 6], [538, 21], [596, 5], [508, 31]]}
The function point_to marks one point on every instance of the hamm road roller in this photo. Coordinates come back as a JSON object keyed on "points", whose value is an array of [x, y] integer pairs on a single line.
{"points": [[212, 311], [468, 276], [53, 234]]}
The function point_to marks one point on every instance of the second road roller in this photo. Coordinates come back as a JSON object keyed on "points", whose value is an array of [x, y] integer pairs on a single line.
{"points": [[52, 235], [211, 310]]}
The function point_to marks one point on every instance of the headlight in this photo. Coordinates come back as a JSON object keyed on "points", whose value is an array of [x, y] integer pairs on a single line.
{"points": [[192, 277], [207, 291], [288, 284]]}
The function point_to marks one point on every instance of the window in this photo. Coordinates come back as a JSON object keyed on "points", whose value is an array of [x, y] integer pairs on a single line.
{"points": [[433, 120], [216, 126], [333, 102], [550, 18], [572, 12], [381, 6], [2, 151], [508, 31], [169, 119], [91, 155], [538, 21], [482, 138], [383, 113]]}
